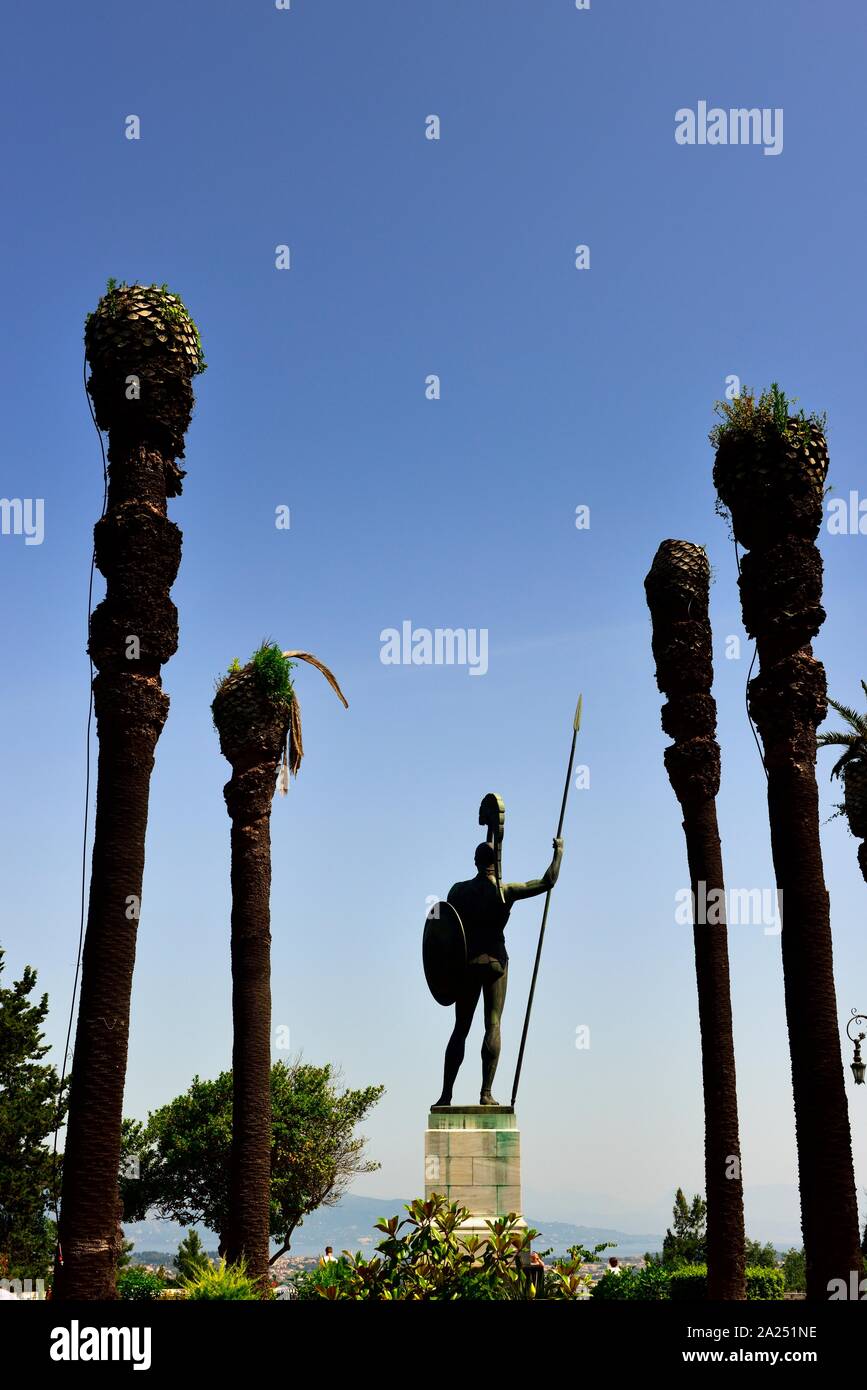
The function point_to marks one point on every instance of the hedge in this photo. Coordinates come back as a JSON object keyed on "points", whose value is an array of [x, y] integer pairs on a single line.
{"points": [[690, 1283], [647, 1285]]}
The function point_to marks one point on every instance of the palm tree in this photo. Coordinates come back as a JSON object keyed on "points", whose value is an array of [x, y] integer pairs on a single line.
{"points": [[258, 719], [770, 472], [677, 589], [852, 769], [143, 350]]}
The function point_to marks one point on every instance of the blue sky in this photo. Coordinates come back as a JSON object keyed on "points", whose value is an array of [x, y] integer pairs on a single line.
{"points": [[559, 388]]}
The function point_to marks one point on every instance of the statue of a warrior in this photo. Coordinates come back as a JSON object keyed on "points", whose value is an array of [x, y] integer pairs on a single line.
{"points": [[475, 917]]}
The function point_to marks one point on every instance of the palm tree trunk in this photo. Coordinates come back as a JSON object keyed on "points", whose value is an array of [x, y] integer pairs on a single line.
{"points": [[249, 795], [130, 709], [257, 717], [787, 703], [723, 1181], [776, 507], [252, 719], [132, 633], [677, 593]]}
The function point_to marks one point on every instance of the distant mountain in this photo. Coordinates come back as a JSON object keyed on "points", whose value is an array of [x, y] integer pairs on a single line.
{"points": [[161, 1237], [559, 1235], [350, 1226]]}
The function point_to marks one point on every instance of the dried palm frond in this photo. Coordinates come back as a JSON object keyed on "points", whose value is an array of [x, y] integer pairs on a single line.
{"points": [[294, 751], [296, 745], [256, 710], [320, 666]]}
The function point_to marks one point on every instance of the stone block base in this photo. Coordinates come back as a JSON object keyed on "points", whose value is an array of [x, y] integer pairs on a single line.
{"points": [[472, 1155]]}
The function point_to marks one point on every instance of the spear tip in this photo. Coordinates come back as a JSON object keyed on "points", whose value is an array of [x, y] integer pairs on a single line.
{"points": [[576, 723]]}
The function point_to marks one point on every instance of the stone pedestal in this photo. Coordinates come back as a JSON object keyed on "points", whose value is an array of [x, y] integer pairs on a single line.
{"points": [[472, 1155]]}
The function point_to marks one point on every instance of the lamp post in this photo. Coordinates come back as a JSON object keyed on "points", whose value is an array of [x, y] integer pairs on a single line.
{"points": [[858, 1064]]}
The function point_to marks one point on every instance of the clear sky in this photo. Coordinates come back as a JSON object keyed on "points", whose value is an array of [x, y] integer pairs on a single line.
{"points": [[560, 388]]}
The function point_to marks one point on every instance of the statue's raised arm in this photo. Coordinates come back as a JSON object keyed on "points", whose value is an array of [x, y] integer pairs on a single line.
{"points": [[514, 892]]}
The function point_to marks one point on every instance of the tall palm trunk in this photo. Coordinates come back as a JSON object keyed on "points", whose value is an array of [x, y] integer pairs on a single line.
{"points": [[255, 711], [133, 631], [677, 594], [248, 800], [772, 483]]}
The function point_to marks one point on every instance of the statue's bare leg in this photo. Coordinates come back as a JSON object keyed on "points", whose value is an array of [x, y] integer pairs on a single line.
{"points": [[495, 998], [465, 1007]]}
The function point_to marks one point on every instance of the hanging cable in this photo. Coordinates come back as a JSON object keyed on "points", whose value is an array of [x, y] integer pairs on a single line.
{"points": [[749, 676], [86, 815]]}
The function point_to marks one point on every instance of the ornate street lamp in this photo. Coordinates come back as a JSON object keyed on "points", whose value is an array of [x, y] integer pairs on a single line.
{"points": [[858, 1064]]}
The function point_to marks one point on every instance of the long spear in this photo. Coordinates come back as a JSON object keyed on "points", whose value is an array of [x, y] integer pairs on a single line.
{"points": [[576, 725]]}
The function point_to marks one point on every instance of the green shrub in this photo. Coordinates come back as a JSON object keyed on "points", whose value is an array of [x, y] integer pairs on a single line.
{"points": [[313, 1284], [222, 1282], [477, 1286], [563, 1278], [138, 1285], [650, 1284], [426, 1257], [690, 1283], [765, 1283]]}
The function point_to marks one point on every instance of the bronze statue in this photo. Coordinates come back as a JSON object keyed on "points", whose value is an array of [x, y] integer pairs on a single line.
{"points": [[464, 945], [478, 910]]}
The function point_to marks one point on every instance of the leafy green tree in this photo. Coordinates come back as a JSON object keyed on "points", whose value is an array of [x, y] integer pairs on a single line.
{"points": [[30, 1107], [687, 1242], [124, 1253], [761, 1256], [191, 1258], [795, 1271], [183, 1150]]}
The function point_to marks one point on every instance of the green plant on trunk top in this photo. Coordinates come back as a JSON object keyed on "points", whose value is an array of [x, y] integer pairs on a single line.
{"points": [[165, 312], [262, 693], [765, 418], [272, 672]]}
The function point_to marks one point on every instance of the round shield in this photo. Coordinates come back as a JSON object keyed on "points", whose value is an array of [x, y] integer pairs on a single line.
{"points": [[444, 953]]}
